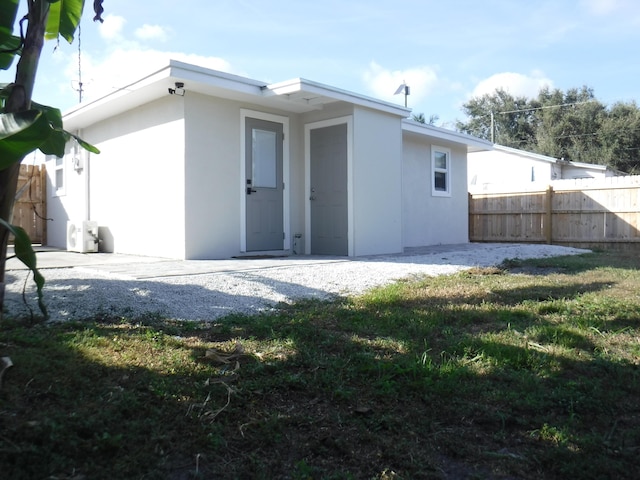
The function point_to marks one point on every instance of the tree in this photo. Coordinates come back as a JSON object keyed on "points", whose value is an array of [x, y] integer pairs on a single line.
{"points": [[500, 117], [24, 125], [572, 125], [619, 137], [568, 124], [420, 118]]}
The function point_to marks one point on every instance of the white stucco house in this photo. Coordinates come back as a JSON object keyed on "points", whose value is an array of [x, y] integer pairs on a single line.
{"points": [[201, 164], [504, 166]]}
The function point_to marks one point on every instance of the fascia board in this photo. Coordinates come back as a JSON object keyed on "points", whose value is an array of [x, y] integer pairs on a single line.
{"points": [[153, 87], [473, 144], [215, 78], [591, 166], [85, 114], [301, 85], [524, 153]]}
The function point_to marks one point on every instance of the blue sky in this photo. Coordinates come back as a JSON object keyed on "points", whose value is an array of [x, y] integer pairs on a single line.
{"points": [[446, 51]]}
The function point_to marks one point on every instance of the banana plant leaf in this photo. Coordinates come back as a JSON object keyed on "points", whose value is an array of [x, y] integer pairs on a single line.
{"points": [[9, 43], [63, 20], [25, 253], [20, 134]]}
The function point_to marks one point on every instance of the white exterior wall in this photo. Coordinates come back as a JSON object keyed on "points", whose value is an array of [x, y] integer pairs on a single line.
{"points": [[212, 177], [491, 168], [428, 219], [295, 189], [168, 182], [137, 182], [377, 183], [68, 204], [214, 184], [573, 172]]}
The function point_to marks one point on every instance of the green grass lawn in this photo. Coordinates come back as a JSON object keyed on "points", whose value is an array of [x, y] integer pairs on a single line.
{"points": [[526, 371]]}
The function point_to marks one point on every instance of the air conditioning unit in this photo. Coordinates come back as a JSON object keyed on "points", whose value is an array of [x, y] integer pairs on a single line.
{"points": [[82, 236]]}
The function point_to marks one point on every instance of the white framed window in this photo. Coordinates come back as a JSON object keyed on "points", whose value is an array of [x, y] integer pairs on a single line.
{"points": [[440, 171], [58, 177]]}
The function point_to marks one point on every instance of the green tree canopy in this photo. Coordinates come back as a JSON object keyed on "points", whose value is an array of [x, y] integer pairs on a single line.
{"points": [[571, 124]]}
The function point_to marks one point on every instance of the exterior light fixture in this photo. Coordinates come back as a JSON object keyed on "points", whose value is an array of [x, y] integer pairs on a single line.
{"points": [[179, 90]]}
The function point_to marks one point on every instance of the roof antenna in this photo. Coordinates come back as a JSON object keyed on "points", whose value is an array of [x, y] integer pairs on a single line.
{"points": [[404, 88], [80, 88]]}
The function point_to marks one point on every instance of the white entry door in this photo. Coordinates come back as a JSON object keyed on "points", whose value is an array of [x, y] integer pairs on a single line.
{"points": [[329, 193], [264, 185]]}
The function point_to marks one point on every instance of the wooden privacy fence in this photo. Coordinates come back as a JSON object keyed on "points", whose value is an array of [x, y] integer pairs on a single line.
{"points": [[30, 209], [591, 213]]}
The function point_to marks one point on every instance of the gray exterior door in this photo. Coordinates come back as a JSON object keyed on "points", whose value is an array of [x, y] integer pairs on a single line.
{"points": [[264, 185], [329, 218]]}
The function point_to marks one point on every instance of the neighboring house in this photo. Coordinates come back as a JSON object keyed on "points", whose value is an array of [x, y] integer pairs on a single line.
{"points": [[200, 164], [505, 166]]}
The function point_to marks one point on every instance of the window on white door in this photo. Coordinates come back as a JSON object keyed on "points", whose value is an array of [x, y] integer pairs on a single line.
{"points": [[264, 158], [440, 171]]}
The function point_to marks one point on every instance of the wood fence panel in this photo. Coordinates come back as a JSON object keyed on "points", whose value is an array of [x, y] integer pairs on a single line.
{"points": [[506, 218], [596, 213], [30, 209]]}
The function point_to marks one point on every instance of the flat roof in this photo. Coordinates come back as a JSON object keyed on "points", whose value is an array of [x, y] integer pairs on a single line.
{"points": [[296, 95]]}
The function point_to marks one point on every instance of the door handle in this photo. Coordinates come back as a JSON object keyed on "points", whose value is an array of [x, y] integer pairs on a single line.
{"points": [[312, 197], [250, 191]]}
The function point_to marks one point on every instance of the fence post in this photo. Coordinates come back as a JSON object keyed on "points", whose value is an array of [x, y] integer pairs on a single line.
{"points": [[549, 214], [43, 203], [469, 217]]}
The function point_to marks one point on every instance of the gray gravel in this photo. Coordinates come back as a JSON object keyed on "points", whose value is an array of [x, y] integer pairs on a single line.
{"points": [[206, 290]]}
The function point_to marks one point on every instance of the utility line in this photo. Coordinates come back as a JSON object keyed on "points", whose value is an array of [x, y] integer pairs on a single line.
{"points": [[534, 108], [545, 106], [491, 114]]}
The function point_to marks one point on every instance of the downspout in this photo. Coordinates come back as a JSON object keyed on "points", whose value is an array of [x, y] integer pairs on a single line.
{"points": [[87, 180], [83, 169]]}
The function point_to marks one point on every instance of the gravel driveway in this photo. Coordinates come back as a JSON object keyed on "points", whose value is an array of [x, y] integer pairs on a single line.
{"points": [[208, 289]]}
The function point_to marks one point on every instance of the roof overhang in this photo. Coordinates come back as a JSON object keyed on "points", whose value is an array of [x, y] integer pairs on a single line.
{"points": [[295, 96], [589, 166], [445, 137], [557, 161], [312, 94], [524, 153]]}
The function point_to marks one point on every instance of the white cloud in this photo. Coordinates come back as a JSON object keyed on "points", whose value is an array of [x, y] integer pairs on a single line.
{"points": [[112, 27], [151, 32], [124, 66], [383, 83], [603, 7], [516, 84]]}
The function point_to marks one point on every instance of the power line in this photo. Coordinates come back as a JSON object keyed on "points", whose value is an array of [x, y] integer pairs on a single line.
{"points": [[533, 109], [545, 106], [491, 114]]}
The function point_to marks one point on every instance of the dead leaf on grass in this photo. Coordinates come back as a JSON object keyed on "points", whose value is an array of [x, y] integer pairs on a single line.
{"points": [[215, 356], [220, 357], [363, 410]]}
